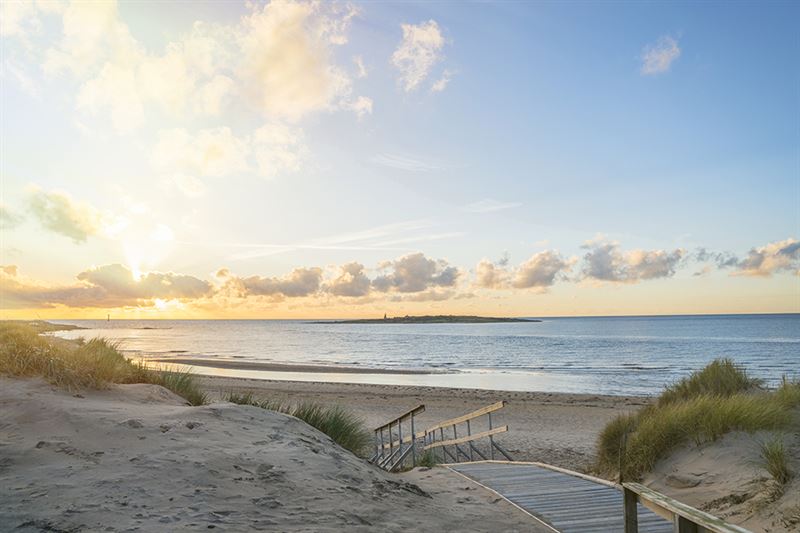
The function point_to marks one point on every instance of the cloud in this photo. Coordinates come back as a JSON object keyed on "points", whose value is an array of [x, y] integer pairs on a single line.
{"points": [[720, 259], [404, 162], [361, 68], [211, 152], [771, 258], [9, 219], [488, 275], [542, 270], [605, 261], [351, 281], [415, 273], [441, 84], [106, 286], [299, 282], [279, 148], [657, 58], [489, 205], [286, 66], [59, 213], [420, 49]]}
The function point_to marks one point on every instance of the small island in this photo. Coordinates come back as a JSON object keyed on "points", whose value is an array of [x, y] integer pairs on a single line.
{"points": [[430, 319]]}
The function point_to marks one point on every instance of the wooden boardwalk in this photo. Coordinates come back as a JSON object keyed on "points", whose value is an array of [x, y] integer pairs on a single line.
{"points": [[565, 502]]}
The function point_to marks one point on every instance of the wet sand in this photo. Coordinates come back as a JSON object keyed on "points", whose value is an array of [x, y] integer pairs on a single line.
{"points": [[285, 367]]}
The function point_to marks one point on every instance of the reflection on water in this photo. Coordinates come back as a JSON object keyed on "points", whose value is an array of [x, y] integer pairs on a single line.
{"points": [[609, 355]]}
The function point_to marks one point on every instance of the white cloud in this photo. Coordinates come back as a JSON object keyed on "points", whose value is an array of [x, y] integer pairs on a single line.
{"points": [[488, 205], [211, 152], [491, 276], [420, 49], [657, 58], [278, 148], [286, 66], [771, 258], [59, 213], [300, 282], [361, 68], [542, 270], [404, 162], [415, 273], [351, 281], [9, 219], [605, 261], [441, 84]]}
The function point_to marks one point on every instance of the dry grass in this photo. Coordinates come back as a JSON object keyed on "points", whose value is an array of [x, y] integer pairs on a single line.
{"points": [[714, 401], [77, 365], [775, 460], [346, 429]]}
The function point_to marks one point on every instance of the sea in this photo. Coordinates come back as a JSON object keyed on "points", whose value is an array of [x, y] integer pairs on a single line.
{"points": [[595, 355]]}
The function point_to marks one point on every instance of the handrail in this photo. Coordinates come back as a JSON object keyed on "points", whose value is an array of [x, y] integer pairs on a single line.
{"points": [[408, 414], [406, 440], [469, 416], [685, 517], [468, 438]]}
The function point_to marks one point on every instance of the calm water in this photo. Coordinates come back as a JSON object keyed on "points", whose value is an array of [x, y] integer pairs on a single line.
{"points": [[611, 355]]}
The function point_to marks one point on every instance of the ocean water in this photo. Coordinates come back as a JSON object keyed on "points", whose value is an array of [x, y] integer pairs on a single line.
{"points": [[602, 355]]}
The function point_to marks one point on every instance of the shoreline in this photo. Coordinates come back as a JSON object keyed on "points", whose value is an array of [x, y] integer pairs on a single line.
{"points": [[287, 367]]}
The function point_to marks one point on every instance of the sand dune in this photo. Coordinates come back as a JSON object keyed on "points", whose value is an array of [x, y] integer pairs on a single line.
{"points": [[134, 458]]}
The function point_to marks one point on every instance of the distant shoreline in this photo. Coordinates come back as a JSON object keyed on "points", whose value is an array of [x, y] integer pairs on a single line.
{"points": [[430, 319]]}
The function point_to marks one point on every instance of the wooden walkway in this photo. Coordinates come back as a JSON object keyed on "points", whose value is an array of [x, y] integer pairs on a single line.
{"points": [[562, 501]]}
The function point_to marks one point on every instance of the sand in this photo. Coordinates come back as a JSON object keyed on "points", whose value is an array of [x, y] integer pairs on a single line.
{"points": [[135, 458], [726, 478], [556, 428]]}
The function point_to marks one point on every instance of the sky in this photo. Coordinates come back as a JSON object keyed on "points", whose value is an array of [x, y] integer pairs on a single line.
{"points": [[307, 160]]}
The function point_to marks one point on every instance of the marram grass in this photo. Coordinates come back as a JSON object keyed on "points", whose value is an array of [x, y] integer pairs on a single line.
{"points": [[341, 425], [698, 409], [92, 364]]}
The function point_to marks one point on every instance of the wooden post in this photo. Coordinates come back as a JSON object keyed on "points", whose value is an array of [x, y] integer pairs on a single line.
{"points": [[400, 439], [630, 511], [491, 439], [381, 455], [441, 437], [455, 436], [469, 432], [683, 525], [413, 443]]}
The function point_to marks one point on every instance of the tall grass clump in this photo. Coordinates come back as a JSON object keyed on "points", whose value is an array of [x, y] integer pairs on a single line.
{"points": [[775, 460], [92, 364], [721, 377], [698, 409], [341, 425]]}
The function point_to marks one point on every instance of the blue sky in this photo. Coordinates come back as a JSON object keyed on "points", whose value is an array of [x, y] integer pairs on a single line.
{"points": [[269, 138]]}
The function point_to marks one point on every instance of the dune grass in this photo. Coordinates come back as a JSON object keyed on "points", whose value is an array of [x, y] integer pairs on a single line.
{"points": [[703, 407], [775, 460], [92, 364], [346, 429]]}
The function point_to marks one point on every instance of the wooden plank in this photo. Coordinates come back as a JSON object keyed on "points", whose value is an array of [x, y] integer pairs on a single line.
{"points": [[469, 416], [705, 520], [567, 503], [415, 411], [468, 438], [407, 439]]}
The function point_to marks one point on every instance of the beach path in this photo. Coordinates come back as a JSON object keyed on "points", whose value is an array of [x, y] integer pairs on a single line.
{"points": [[567, 503]]}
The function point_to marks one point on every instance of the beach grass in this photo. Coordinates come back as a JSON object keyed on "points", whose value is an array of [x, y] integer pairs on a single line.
{"points": [[93, 364], [701, 408], [775, 459], [341, 425]]}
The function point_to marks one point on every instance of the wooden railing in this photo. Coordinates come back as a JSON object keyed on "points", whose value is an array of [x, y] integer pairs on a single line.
{"points": [[435, 436], [685, 519], [397, 440], [391, 447]]}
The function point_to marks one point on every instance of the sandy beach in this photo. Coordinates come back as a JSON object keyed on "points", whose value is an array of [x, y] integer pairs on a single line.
{"points": [[136, 458], [556, 428]]}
